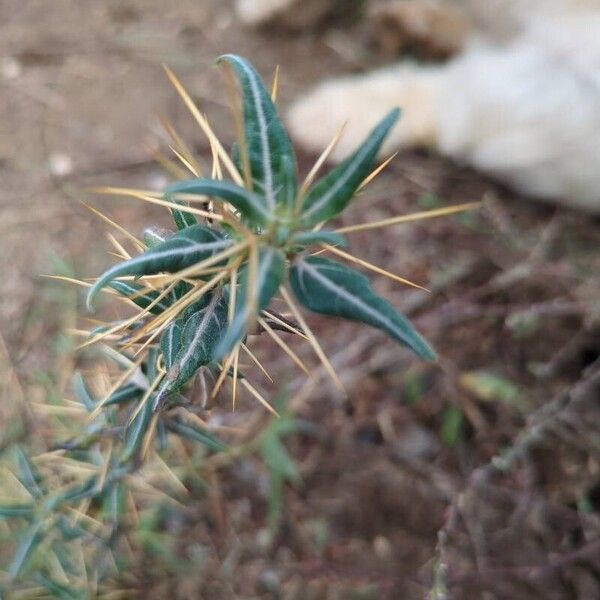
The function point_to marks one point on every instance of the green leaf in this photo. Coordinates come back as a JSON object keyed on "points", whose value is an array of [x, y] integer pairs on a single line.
{"points": [[307, 238], [58, 590], [289, 181], [412, 387], [114, 503], [452, 424], [194, 307], [236, 156], [124, 394], [136, 432], [277, 458], [170, 343], [250, 205], [180, 251], [191, 432], [331, 194], [30, 541], [155, 235], [69, 530], [27, 474], [270, 153], [132, 291], [270, 273], [150, 364], [16, 510], [202, 332], [330, 288], [182, 218], [79, 491], [82, 392]]}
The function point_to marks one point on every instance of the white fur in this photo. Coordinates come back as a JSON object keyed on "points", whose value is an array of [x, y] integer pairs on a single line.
{"points": [[254, 12], [525, 109]]}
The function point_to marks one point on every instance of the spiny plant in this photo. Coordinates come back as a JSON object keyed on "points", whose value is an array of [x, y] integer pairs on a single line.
{"points": [[256, 240], [200, 292]]}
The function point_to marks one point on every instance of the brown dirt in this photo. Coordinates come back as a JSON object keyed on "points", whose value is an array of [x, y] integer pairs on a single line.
{"points": [[393, 501]]}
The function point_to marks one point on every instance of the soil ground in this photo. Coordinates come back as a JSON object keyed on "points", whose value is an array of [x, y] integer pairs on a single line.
{"points": [[475, 477]]}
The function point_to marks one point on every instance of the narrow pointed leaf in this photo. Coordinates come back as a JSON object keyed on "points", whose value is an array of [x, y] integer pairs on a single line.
{"points": [[307, 238], [188, 311], [181, 250], [27, 545], [69, 530], [203, 331], [132, 291], [68, 563], [277, 458], [170, 343], [180, 290], [270, 153], [289, 181], [136, 432], [182, 218], [114, 503], [58, 590], [331, 194], [236, 156], [16, 510], [82, 392], [191, 432], [80, 491], [27, 474], [124, 394], [270, 273], [155, 235], [331, 288], [251, 205], [150, 366]]}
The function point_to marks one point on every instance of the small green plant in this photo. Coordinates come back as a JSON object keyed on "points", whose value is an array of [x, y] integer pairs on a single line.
{"points": [[198, 292], [255, 240]]}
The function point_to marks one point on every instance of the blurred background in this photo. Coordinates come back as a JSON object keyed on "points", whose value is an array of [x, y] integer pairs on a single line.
{"points": [[476, 477]]}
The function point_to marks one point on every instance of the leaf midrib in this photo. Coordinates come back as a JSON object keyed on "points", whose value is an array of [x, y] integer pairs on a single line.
{"points": [[264, 140], [202, 326], [188, 249], [303, 265]]}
